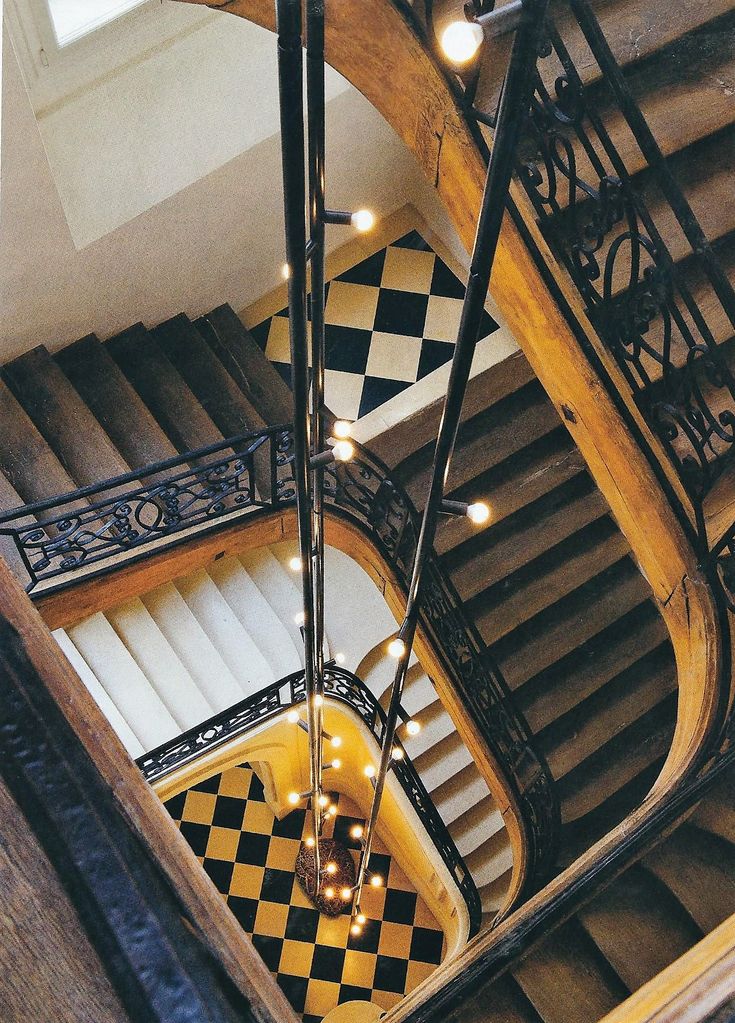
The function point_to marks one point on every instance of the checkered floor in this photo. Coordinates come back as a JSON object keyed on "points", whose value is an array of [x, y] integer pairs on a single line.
{"points": [[250, 856], [390, 321]]}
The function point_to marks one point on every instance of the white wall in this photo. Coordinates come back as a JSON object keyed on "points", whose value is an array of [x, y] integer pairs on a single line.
{"points": [[217, 239]]}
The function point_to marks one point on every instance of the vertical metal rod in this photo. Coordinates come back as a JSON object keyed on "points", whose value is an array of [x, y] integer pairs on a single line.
{"points": [[515, 101], [315, 107], [290, 85]]}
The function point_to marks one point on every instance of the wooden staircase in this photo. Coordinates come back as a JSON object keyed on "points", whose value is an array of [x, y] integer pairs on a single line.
{"points": [[649, 916]]}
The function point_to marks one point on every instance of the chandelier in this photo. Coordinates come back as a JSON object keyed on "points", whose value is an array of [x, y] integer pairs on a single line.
{"points": [[328, 878]]}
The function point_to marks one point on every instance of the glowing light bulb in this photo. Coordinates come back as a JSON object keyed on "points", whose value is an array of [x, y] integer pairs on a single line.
{"points": [[356, 929], [356, 831], [299, 618], [363, 220], [329, 893], [413, 727], [343, 450], [361, 918], [322, 800], [292, 717], [336, 763], [342, 429], [318, 700], [479, 513], [461, 40], [331, 868], [285, 271], [376, 881], [332, 811], [295, 564], [345, 894], [340, 658], [396, 648], [336, 741], [310, 843], [293, 798], [369, 771], [397, 753]]}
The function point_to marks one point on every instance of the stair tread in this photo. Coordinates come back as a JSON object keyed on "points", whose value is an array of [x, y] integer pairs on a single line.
{"points": [[491, 859], [256, 377], [458, 793], [716, 812], [501, 549], [63, 419], [114, 403], [10, 499], [30, 465], [592, 666], [638, 927], [507, 1004], [538, 644], [699, 869], [609, 712], [617, 762], [567, 979], [445, 759], [476, 825], [227, 406], [162, 389], [278, 588], [551, 577]]}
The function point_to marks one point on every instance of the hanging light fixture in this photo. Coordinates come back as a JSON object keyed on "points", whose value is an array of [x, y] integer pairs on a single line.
{"points": [[323, 865]]}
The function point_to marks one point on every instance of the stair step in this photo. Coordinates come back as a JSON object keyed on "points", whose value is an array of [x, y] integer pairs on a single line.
{"points": [[255, 376], [444, 760], [32, 468], [227, 406], [235, 645], [508, 1004], [567, 979], [551, 577], [458, 793], [162, 389], [716, 812], [436, 725], [638, 926], [63, 419], [124, 682], [419, 429], [193, 647], [591, 666], [485, 441], [617, 762], [123, 730], [114, 403], [279, 589], [493, 896], [186, 704], [490, 860], [256, 616], [699, 869], [548, 637], [503, 548], [515, 483], [476, 825], [418, 690], [609, 712], [10, 499]]}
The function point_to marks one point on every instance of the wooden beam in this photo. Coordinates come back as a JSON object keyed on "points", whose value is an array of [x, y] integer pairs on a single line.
{"points": [[375, 48], [100, 823]]}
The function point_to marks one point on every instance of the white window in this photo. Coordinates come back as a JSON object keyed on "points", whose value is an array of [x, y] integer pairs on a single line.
{"points": [[73, 19]]}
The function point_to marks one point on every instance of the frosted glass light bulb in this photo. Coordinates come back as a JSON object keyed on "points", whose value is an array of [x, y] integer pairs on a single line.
{"points": [[342, 429], [479, 513], [343, 450], [413, 727], [293, 798], [363, 220], [292, 717], [396, 648], [461, 40], [369, 771], [294, 564]]}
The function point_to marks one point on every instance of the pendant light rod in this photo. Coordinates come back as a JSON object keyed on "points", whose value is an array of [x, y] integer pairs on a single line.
{"points": [[515, 101], [290, 85]]}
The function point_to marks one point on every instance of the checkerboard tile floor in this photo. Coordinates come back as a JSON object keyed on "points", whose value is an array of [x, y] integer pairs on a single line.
{"points": [[389, 321], [250, 856]]}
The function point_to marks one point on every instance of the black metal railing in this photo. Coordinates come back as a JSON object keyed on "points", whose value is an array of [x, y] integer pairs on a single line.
{"points": [[214, 487], [276, 699]]}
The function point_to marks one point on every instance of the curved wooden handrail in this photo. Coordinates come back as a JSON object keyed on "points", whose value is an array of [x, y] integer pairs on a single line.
{"points": [[376, 49]]}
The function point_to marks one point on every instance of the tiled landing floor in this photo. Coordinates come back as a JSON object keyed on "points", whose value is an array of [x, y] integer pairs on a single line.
{"points": [[390, 321], [250, 856]]}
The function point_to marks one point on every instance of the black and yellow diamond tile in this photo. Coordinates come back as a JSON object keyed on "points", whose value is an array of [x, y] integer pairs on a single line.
{"points": [[318, 963]]}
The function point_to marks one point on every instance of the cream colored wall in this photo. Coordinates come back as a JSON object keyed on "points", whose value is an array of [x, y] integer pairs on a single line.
{"points": [[216, 240]]}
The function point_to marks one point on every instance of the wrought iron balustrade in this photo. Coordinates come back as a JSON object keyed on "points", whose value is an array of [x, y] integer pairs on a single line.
{"points": [[248, 475], [276, 699]]}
